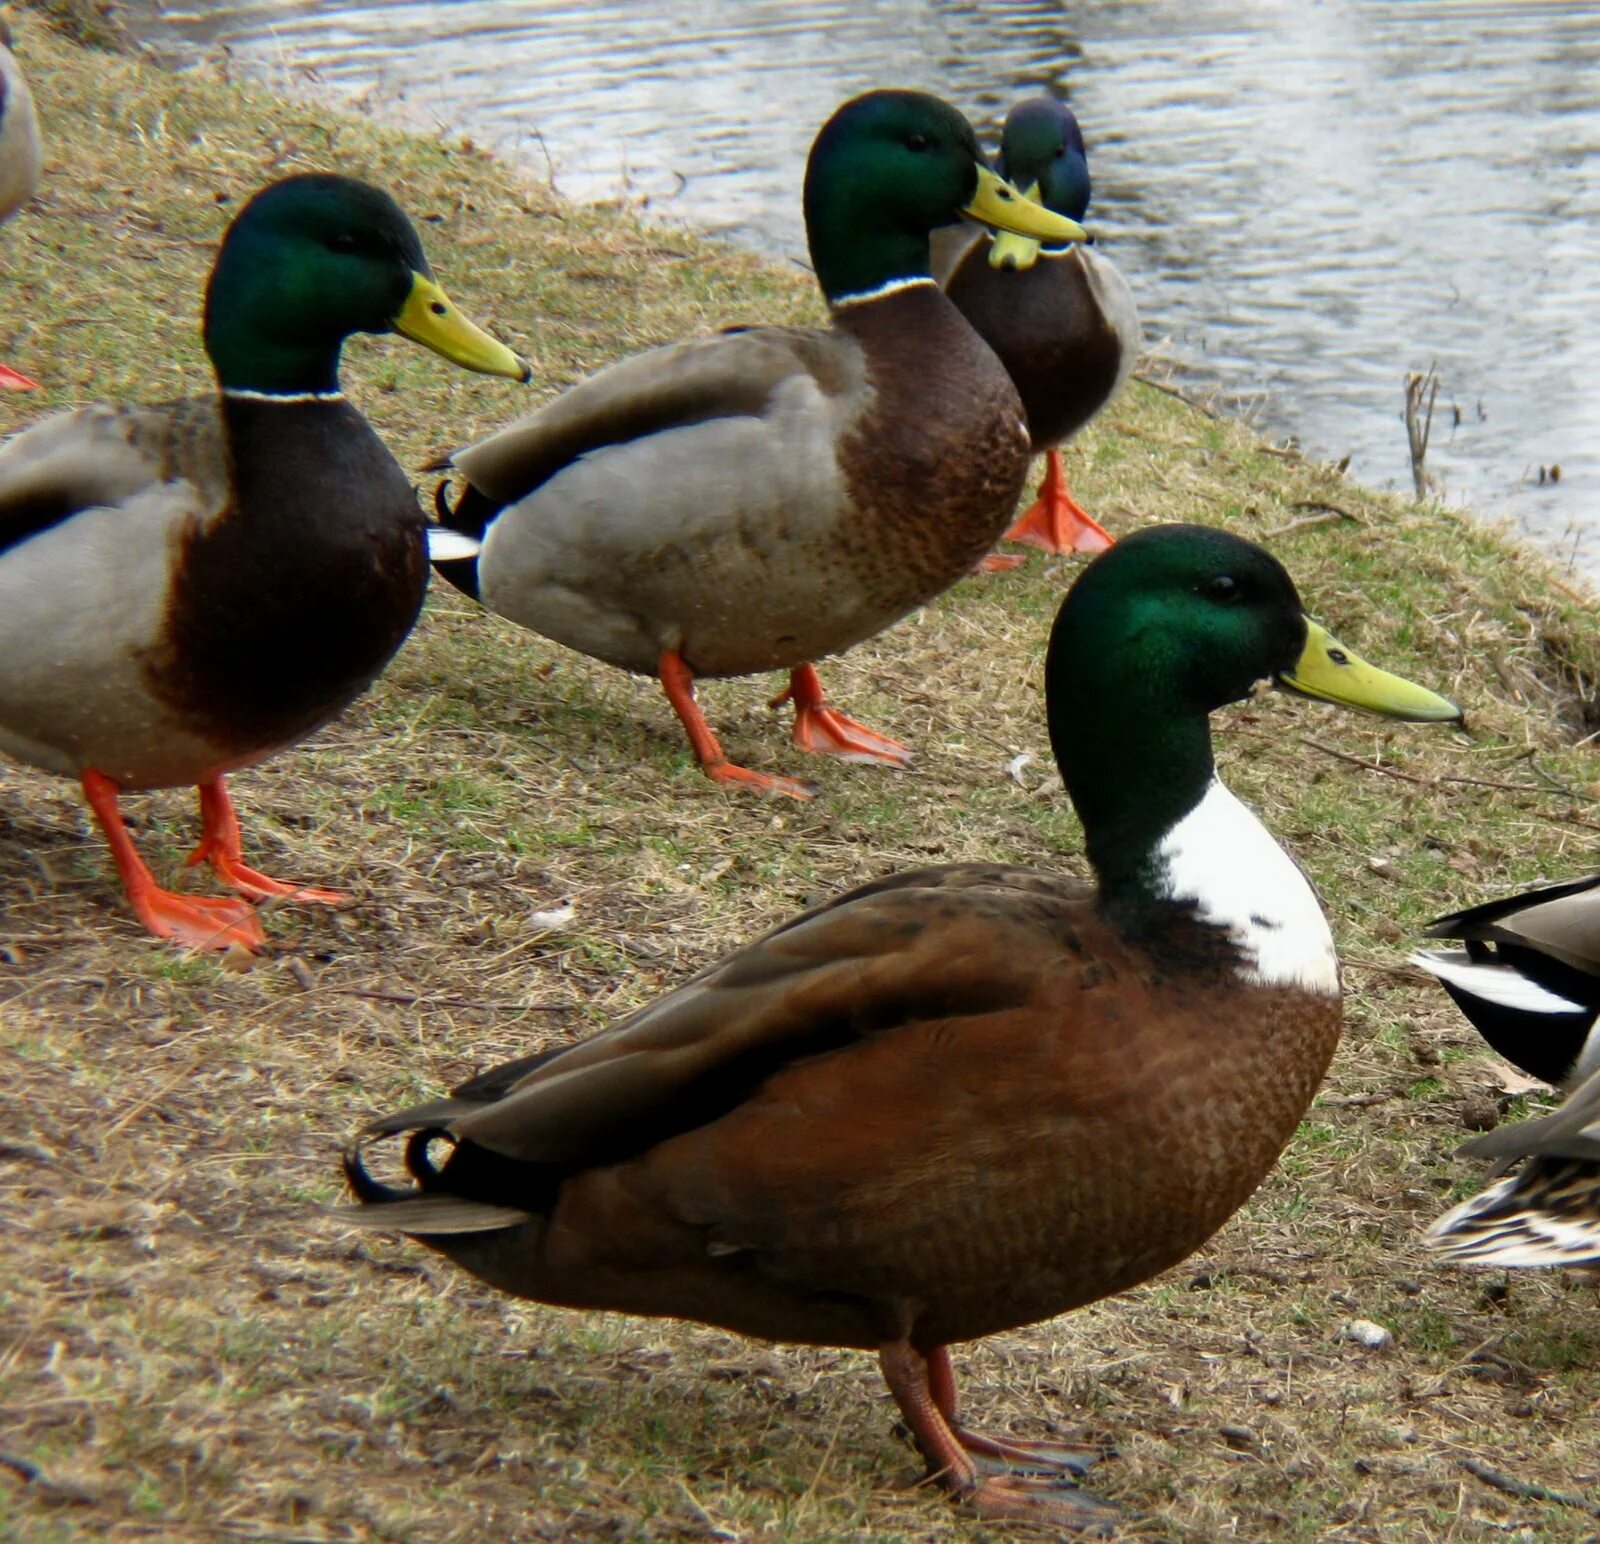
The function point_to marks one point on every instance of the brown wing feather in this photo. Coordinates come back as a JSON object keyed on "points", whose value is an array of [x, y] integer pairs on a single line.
{"points": [[881, 957]]}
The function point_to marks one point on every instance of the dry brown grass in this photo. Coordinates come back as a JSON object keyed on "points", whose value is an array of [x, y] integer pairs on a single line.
{"points": [[193, 1352]]}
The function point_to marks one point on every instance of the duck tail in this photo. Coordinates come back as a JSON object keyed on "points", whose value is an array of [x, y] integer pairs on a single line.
{"points": [[427, 1210]]}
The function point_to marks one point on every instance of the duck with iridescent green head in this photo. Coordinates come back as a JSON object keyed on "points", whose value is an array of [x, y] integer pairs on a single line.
{"points": [[186, 589], [756, 500], [1061, 317], [959, 1099]]}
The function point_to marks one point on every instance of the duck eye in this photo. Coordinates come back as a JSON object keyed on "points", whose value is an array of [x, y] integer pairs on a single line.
{"points": [[917, 142], [1224, 587]]}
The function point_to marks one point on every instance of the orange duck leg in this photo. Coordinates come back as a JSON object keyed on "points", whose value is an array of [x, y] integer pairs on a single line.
{"points": [[824, 731], [677, 681], [14, 380], [999, 1452], [222, 847], [201, 922], [1053, 1501], [1056, 521]]}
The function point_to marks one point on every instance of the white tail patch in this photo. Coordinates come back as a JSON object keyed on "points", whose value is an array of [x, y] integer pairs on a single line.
{"points": [[1497, 984], [1224, 862], [1494, 1228], [447, 546]]}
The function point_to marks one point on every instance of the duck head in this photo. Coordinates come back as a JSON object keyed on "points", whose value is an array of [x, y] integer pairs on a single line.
{"points": [[1041, 152], [1167, 626], [310, 260], [885, 170]]}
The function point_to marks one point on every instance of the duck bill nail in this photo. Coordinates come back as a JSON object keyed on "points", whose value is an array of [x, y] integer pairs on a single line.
{"points": [[1329, 672], [430, 318], [1003, 208]]}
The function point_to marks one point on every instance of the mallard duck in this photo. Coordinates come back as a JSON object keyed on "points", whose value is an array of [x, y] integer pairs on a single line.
{"points": [[1529, 981], [186, 589], [1548, 1212], [1529, 977], [756, 500], [959, 1099], [1061, 318], [19, 157]]}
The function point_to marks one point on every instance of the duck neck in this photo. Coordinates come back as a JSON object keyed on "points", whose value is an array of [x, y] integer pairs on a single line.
{"points": [[254, 366], [1163, 832], [1135, 770], [855, 264], [259, 334]]}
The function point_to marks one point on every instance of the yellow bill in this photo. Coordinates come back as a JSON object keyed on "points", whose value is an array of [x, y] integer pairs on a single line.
{"points": [[428, 317], [1009, 250], [1001, 207], [1329, 672]]}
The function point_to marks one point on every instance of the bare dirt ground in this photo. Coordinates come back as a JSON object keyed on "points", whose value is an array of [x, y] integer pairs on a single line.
{"points": [[193, 1350]]}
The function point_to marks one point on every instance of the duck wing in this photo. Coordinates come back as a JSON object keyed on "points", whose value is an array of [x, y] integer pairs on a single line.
{"points": [[735, 374], [919, 948], [109, 458]]}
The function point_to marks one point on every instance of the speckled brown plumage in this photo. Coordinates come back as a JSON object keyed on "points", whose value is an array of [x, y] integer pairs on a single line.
{"points": [[938, 487], [945, 1105]]}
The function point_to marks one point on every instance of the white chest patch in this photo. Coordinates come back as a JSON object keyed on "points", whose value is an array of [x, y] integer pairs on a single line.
{"points": [[1221, 859]]}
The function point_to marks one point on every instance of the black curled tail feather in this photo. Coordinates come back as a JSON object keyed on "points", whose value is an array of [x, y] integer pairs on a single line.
{"points": [[470, 515], [433, 1213]]}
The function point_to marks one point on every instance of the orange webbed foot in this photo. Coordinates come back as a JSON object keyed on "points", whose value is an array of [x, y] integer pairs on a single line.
{"points": [[201, 922], [1056, 522], [725, 771], [1049, 1503], [211, 923], [14, 380], [677, 681], [1021, 1453], [924, 1388], [221, 846], [998, 563], [825, 731]]}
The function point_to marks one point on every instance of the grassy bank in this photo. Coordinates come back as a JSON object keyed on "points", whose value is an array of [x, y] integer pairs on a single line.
{"points": [[192, 1351]]}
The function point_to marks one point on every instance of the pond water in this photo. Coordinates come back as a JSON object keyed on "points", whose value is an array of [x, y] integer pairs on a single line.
{"points": [[1310, 197]]}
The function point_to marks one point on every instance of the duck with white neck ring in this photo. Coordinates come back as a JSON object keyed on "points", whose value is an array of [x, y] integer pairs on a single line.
{"points": [[959, 1099], [187, 588], [759, 499]]}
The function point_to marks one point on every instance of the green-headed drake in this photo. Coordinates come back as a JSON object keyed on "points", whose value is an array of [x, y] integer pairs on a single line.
{"points": [[1061, 318], [19, 157], [756, 500], [1528, 978], [186, 589], [959, 1099]]}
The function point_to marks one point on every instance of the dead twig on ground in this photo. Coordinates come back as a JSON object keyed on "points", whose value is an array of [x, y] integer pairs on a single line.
{"points": [[1528, 1490], [1173, 391]]}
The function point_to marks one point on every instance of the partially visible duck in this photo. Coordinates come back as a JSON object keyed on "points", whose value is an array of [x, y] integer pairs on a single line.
{"points": [[1529, 976], [19, 157], [186, 589], [756, 500], [959, 1099], [1061, 317], [1529, 981], [1548, 1211]]}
